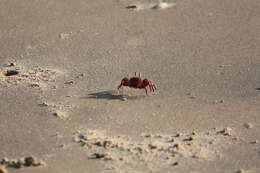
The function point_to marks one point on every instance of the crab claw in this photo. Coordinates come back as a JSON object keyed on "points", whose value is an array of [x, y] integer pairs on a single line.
{"points": [[124, 82]]}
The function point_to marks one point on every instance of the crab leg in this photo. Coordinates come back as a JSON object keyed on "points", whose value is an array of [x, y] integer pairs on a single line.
{"points": [[119, 86], [150, 87], [154, 86], [146, 91]]}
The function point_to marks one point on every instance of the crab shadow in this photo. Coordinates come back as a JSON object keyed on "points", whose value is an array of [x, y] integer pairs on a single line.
{"points": [[109, 95], [112, 95], [258, 89]]}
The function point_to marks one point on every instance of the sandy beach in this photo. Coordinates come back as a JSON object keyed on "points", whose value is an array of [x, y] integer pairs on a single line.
{"points": [[61, 63]]}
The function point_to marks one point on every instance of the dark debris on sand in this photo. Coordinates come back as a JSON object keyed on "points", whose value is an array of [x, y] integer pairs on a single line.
{"points": [[29, 161]]}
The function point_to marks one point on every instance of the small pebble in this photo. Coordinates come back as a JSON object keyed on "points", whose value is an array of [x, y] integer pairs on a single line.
{"points": [[69, 82], [175, 164], [44, 104], [176, 146], [192, 97], [124, 99], [131, 7], [80, 75], [4, 160], [121, 158], [178, 135], [148, 135], [248, 125], [255, 142], [226, 131], [189, 139], [218, 101], [195, 156], [152, 146], [167, 158], [193, 133], [20, 163], [158, 136], [25, 75], [11, 64], [98, 156], [235, 138], [11, 72], [102, 156], [241, 171], [3, 169], [64, 35], [34, 85], [171, 140], [61, 115], [29, 161]]}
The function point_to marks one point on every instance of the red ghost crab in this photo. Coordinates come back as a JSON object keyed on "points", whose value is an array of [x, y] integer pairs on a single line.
{"points": [[137, 82]]}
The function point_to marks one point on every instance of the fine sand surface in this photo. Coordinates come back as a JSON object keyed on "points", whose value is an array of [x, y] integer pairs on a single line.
{"points": [[61, 62]]}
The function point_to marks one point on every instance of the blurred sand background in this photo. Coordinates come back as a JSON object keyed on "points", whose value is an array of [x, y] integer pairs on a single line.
{"points": [[63, 107]]}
